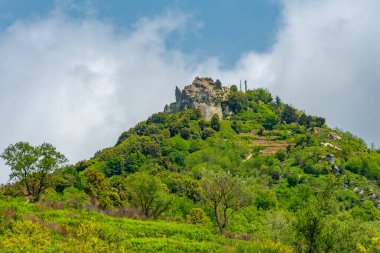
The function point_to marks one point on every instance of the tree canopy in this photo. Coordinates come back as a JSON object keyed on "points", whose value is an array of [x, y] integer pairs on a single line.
{"points": [[32, 165]]}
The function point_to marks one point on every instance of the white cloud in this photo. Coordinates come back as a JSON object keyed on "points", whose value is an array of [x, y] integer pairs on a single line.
{"points": [[325, 60], [79, 83]]}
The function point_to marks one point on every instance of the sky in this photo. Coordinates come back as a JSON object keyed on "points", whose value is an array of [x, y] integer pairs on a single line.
{"points": [[79, 73]]}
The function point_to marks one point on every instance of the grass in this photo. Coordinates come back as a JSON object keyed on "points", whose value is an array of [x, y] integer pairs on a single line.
{"points": [[26, 227]]}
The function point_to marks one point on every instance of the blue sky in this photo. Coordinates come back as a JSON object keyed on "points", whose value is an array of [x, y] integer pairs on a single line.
{"points": [[79, 73], [221, 28]]}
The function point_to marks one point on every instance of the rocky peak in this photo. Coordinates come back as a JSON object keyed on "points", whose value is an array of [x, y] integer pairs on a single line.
{"points": [[204, 94]]}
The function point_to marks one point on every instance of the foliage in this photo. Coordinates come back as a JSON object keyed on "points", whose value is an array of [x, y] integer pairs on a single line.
{"points": [[368, 166], [32, 165], [225, 194], [32, 228], [198, 216], [114, 166], [95, 182], [208, 132], [215, 123], [237, 101], [317, 227], [288, 115], [262, 171], [148, 194], [233, 88]]}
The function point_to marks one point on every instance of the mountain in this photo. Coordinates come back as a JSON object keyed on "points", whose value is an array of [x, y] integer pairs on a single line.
{"points": [[219, 170]]}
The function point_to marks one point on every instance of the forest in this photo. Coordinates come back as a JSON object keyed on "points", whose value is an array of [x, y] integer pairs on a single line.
{"points": [[266, 178]]}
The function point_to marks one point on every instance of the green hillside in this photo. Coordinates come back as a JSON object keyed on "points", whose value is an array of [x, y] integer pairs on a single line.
{"points": [[36, 228], [266, 178]]}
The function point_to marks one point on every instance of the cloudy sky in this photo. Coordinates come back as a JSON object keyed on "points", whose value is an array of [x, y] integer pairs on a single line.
{"points": [[78, 73]]}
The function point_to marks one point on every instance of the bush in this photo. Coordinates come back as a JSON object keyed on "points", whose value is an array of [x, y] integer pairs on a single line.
{"points": [[95, 182], [368, 212], [237, 101], [265, 200], [148, 194], [208, 132], [281, 155], [215, 123], [199, 217], [114, 166], [185, 133], [288, 115], [236, 126]]}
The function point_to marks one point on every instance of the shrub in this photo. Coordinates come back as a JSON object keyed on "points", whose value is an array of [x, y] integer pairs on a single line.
{"points": [[281, 155], [215, 123], [199, 217], [293, 179], [208, 132], [288, 115], [95, 182], [185, 133], [148, 194], [265, 200]]}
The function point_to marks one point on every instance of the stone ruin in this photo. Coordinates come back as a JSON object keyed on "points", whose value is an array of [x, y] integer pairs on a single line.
{"points": [[203, 94]]}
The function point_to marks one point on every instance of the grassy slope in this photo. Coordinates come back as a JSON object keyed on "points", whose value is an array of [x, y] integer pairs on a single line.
{"points": [[29, 227]]}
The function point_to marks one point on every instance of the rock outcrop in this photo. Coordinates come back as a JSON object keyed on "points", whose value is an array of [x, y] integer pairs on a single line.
{"points": [[203, 94]]}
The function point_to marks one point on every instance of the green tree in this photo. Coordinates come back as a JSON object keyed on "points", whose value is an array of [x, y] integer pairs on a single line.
{"points": [[114, 166], [65, 177], [278, 101], [237, 101], [317, 227], [225, 194], [233, 88], [236, 126], [202, 123], [305, 120], [215, 122], [208, 132], [319, 121], [32, 165], [260, 94], [95, 182], [185, 133], [288, 115], [266, 116], [280, 155], [265, 200], [148, 194]]}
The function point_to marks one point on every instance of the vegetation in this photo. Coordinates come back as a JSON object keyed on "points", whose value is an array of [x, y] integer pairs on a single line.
{"points": [[225, 195], [32, 166], [148, 194], [265, 178]]}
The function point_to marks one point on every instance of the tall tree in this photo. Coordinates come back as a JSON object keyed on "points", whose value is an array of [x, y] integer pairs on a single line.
{"points": [[32, 165], [149, 195], [288, 115], [225, 194]]}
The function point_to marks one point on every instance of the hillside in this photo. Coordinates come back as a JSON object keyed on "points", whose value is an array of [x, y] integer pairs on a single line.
{"points": [[34, 228], [220, 170]]}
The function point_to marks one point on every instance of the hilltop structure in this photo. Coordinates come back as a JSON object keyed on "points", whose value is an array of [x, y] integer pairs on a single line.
{"points": [[203, 94]]}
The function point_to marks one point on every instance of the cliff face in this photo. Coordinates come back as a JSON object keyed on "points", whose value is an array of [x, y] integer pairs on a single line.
{"points": [[203, 94]]}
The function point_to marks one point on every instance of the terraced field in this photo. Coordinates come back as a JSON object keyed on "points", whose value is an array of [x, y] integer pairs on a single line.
{"points": [[271, 144]]}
